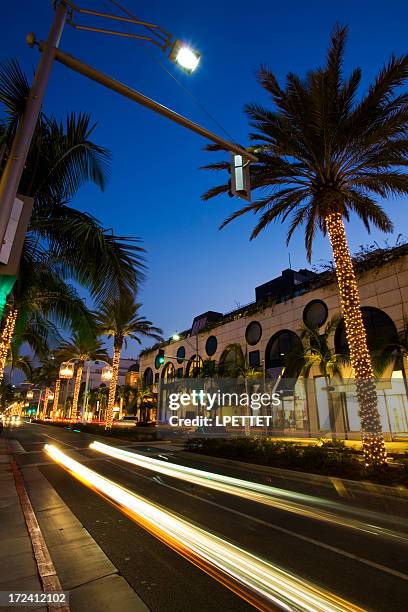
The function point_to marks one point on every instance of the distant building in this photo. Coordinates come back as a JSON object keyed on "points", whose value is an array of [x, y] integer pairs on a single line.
{"points": [[132, 376], [266, 330]]}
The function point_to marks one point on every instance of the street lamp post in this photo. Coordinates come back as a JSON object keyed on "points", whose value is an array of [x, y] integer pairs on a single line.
{"points": [[67, 372], [13, 170], [104, 378], [66, 10]]}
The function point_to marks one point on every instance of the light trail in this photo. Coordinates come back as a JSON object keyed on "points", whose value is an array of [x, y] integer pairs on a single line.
{"points": [[263, 585], [298, 503]]}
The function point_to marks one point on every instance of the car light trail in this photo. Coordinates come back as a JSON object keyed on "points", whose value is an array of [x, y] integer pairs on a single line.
{"points": [[264, 494], [263, 585]]}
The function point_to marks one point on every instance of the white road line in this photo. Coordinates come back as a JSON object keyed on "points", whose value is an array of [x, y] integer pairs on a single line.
{"points": [[334, 549]]}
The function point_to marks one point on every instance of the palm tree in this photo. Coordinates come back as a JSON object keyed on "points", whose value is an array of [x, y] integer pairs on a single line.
{"points": [[16, 361], [7, 393], [322, 155], [40, 301], [123, 394], [83, 346], [315, 351], [120, 320], [144, 400], [61, 159], [392, 352], [44, 376]]}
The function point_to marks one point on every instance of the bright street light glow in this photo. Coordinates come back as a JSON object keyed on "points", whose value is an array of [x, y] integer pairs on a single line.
{"points": [[262, 584], [187, 59], [184, 56], [66, 370], [175, 337], [106, 373]]}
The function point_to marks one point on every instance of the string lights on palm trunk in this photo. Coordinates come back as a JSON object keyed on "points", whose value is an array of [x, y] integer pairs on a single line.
{"points": [[372, 437]]}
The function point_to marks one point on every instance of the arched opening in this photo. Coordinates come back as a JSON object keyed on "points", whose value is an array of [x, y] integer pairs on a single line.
{"points": [[278, 348], [380, 330], [169, 372], [231, 360], [392, 386], [148, 377], [194, 366]]}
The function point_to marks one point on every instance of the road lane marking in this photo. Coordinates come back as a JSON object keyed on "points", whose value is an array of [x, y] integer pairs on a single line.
{"points": [[262, 584], [281, 499], [294, 534]]}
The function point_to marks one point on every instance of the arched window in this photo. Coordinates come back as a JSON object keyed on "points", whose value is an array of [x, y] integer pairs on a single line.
{"points": [[277, 349], [148, 377], [232, 358], [169, 372], [181, 353], [380, 330], [194, 366]]}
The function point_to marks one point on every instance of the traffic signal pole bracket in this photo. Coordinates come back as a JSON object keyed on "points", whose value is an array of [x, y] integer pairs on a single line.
{"points": [[124, 90]]}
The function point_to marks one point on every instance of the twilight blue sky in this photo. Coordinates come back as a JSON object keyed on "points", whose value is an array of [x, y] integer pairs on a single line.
{"points": [[156, 184]]}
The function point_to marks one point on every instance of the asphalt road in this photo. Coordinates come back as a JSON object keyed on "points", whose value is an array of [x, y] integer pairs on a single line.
{"points": [[368, 570]]}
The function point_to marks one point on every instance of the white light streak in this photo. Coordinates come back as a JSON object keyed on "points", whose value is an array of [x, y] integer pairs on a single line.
{"points": [[298, 503], [262, 584]]}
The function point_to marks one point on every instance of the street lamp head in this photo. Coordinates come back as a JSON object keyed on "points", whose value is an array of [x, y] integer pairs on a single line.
{"points": [[66, 370], [175, 337], [184, 56], [106, 373]]}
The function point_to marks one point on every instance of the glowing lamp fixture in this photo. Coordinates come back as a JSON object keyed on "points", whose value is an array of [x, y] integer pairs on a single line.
{"points": [[29, 395], [175, 337], [106, 374], [184, 56], [50, 396], [66, 370]]}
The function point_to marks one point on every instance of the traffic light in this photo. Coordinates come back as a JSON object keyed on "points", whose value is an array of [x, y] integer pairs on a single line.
{"points": [[160, 356], [240, 181]]}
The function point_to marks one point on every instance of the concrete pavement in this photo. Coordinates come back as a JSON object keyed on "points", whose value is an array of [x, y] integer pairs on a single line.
{"points": [[81, 566], [17, 561]]}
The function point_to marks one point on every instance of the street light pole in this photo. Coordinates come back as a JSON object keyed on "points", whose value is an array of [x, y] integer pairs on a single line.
{"points": [[11, 176]]}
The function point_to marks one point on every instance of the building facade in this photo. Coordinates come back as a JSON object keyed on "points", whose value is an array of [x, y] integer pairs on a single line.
{"points": [[268, 329]]}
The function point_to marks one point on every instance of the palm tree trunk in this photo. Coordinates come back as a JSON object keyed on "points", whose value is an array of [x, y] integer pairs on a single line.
{"points": [[6, 338], [371, 431], [74, 411], [112, 386], [56, 398], [45, 403]]}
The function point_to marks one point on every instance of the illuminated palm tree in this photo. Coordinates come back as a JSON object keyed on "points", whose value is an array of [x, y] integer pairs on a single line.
{"points": [[322, 155], [61, 159], [84, 346], [121, 321], [40, 302], [44, 376]]}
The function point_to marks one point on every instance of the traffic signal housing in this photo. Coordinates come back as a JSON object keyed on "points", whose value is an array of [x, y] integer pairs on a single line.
{"points": [[160, 357], [240, 184]]}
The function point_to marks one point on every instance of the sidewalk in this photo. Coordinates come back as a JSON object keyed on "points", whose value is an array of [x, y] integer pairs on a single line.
{"points": [[17, 562], [77, 562]]}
